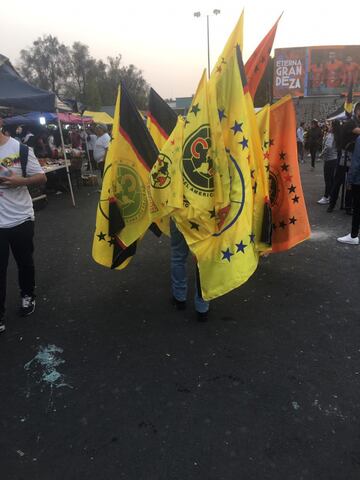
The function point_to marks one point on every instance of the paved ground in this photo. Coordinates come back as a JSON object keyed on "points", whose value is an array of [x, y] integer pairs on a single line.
{"points": [[107, 382]]}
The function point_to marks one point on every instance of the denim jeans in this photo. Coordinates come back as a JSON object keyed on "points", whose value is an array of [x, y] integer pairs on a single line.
{"points": [[179, 253]]}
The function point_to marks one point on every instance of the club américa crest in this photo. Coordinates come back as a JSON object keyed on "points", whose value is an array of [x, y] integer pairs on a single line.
{"points": [[130, 192], [161, 177], [198, 169]]}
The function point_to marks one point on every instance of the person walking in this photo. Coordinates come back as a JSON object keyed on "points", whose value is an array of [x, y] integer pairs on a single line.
{"points": [[300, 142], [314, 140], [329, 154], [19, 168], [352, 238], [179, 254]]}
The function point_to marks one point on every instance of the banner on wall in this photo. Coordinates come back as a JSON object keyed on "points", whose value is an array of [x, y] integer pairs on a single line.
{"points": [[316, 71]]}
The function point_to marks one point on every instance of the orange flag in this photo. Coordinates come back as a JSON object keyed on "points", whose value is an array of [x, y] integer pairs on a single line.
{"points": [[289, 215], [256, 65]]}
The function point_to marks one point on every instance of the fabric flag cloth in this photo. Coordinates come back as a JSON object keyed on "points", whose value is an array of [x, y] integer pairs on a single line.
{"points": [[236, 38], [125, 205], [256, 65], [262, 213], [348, 105], [161, 119], [290, 220], [191, 179], [228, 258]]}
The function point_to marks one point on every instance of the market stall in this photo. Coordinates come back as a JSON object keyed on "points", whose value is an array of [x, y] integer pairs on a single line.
{"points": [[17, 94]]}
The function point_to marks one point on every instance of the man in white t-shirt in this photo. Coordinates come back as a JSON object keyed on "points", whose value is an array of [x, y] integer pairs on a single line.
{"points": [[17, 219], [101, 145]]}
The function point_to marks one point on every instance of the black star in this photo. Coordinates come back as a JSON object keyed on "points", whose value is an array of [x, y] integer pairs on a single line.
{"points": [[252, 173], [101, 236], [252, 238], [111, 241], [254, 187], [237, 127], [223, 61], [221, 114], [271, 142], [244, 143], [284, 167], [267, 168], [282, 224], [195, 109], [256, 69], [293, 220], [194, 226], [282, 155], [295, 199], [186, 122], [241, 247], [292, 189], [266, 144], [212, 213], [274, 227], [227, 255]]}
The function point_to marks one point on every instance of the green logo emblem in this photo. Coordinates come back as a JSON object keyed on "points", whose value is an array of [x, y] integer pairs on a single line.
{"points": [[130, 192]]}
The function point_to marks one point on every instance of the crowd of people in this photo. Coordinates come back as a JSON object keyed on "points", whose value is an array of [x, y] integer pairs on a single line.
{"points": [[338, 144]]}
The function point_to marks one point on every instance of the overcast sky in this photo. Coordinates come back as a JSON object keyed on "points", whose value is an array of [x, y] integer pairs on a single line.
{"points": [[165, 40]]}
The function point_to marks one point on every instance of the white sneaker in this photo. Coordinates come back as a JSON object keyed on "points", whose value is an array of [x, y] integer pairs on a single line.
{"points": [[324, 201], [349, 239]]}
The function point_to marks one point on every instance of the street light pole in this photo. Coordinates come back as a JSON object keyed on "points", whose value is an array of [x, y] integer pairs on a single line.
{"points": [[198, 14]]}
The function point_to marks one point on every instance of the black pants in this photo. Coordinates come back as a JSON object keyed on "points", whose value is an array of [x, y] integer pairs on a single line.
{"points": [[313, 150], [356, 211], [339, 179], [329, 172], [20, 240]]}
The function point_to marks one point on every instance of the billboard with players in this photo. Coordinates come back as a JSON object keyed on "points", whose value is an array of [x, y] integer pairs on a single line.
{"points": [[313, 71]]}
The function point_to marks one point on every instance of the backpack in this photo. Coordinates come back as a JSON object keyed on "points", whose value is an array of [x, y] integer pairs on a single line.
{"points": [[24, 155]]}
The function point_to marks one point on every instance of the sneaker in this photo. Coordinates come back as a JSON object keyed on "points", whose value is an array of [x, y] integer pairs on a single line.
{"points": [[178, 304], [27, 305], [324, 201], [202, 316], [349, 239], [330, 208]]}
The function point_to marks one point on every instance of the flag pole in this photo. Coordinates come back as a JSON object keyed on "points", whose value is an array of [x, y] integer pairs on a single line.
{"points": [[86, 143], [65, 157], [208, 44]]}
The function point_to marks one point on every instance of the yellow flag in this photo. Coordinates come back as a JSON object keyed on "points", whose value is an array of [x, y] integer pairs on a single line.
{"points": [[229, 257], [125, 207], [236, 38]]}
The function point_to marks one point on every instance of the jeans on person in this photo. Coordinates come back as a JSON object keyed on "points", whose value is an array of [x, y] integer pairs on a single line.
{"points": [[329, 172], [356, 210], [179, 254], [20, 240]]}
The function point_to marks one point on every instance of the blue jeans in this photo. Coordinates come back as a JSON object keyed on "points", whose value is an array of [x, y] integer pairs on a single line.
{"points": [[179, 253]]}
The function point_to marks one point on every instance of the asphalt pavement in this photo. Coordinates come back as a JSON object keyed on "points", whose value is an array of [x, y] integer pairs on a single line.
{"points": [[106, 381]]}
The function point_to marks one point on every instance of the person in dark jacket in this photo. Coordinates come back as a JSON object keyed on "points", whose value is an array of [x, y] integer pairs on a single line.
{"points": [[354, 181], [350, 130], [314, 140]]}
